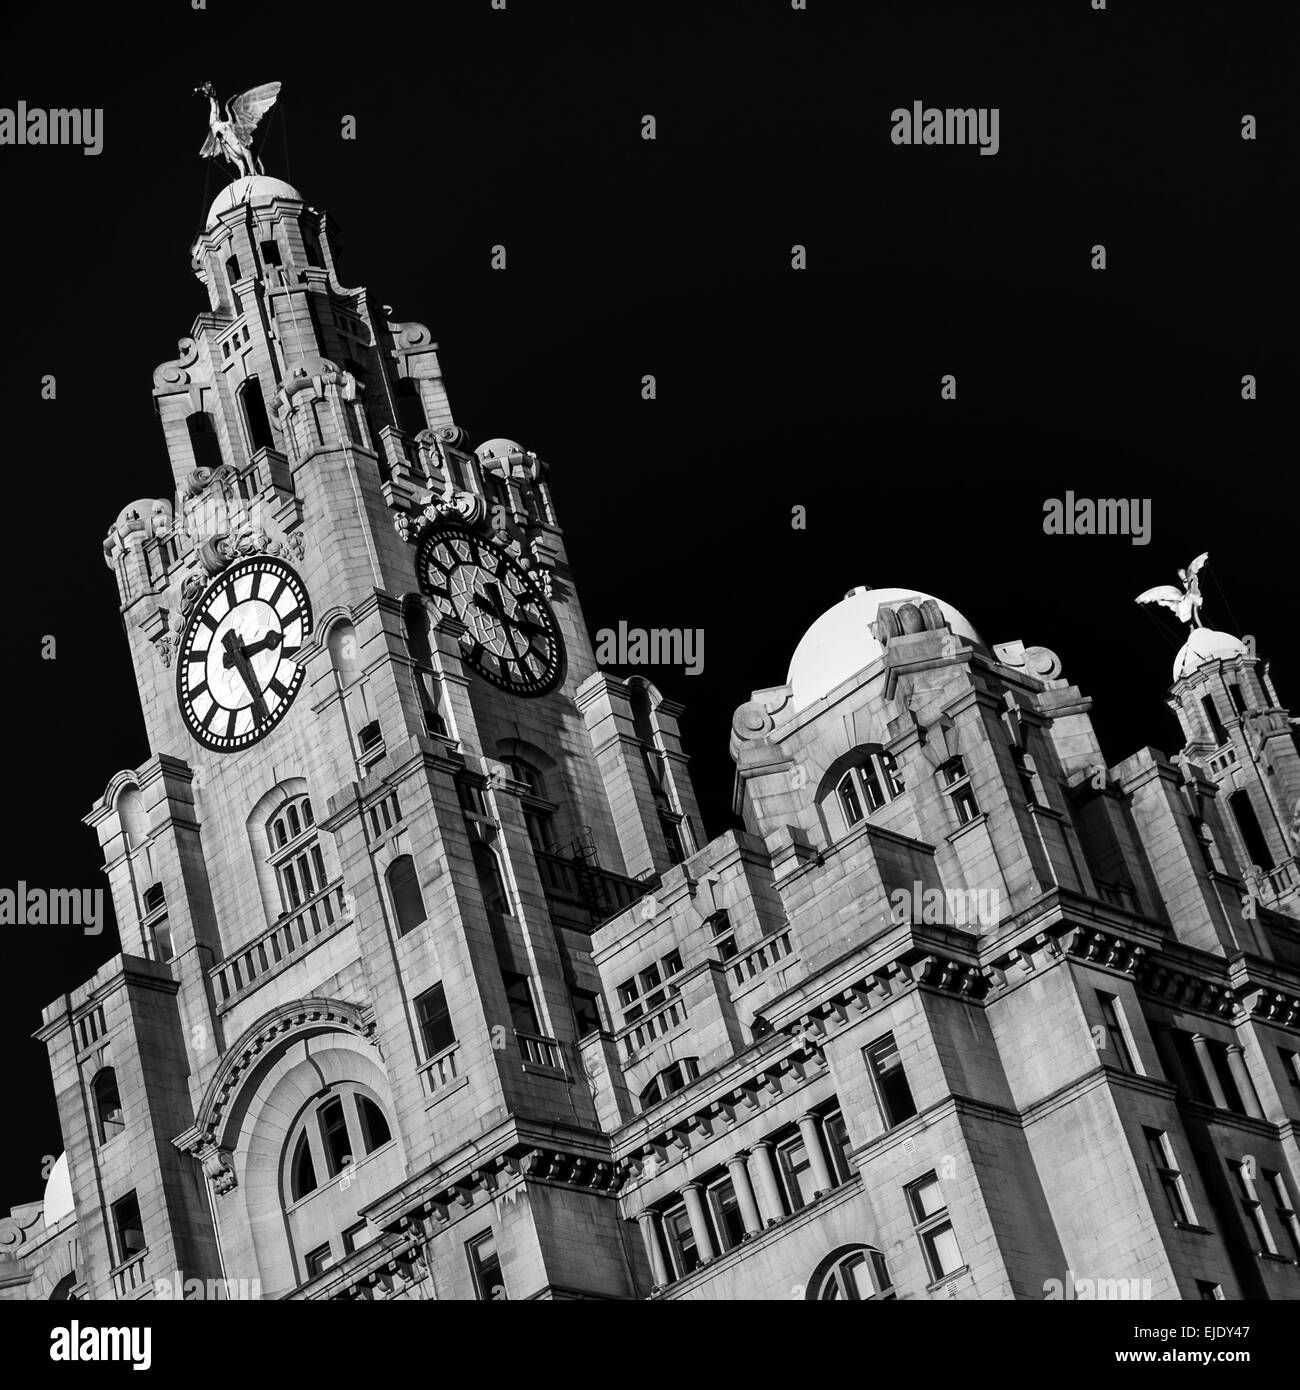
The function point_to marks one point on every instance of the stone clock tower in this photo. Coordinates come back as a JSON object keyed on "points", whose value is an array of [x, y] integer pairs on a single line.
{"points": [[387, 801]]}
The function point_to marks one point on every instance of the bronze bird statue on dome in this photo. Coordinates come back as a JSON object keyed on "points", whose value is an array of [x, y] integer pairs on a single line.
{"points": [[231, 133], [1185, 602]]}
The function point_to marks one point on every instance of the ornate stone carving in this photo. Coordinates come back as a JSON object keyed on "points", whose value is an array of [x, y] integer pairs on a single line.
{"points": [[219, 1169], [170, 375], [1040, 662]]}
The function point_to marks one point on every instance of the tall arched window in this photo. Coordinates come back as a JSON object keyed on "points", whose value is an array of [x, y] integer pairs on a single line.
{"points": [[1248, 823], [108, 1104], [256, 420], [410, 408], [539, 814], [855, 1275], [296, 856], [204, 441], [490, 880], [404, 890], [345, 655]]}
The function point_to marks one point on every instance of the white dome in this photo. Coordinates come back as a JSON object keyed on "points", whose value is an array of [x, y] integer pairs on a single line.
{"points": [[259, 189], [1205, 644], [57, 1202], [840, 643]]}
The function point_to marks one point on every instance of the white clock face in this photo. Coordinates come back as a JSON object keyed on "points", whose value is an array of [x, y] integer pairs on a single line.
{"points": [[237, 669], [513, 639]]}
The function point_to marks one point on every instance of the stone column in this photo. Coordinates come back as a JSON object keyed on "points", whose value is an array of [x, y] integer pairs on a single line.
{"points": [[744, 1193], [764, 1174], [811, 1129], [1245, 1087], [1207, 1070], [649, 1223], [699, 1223]]}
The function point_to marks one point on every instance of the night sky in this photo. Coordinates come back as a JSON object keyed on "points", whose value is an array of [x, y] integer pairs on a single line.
{"points": [[776, 387]]}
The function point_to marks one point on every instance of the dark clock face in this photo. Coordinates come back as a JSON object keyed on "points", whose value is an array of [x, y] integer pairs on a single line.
{"points": [[513, 639], [237, 669]]}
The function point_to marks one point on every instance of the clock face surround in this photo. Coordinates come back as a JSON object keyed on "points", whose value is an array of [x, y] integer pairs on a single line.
{"points": [[513, 639], [237, 670]]}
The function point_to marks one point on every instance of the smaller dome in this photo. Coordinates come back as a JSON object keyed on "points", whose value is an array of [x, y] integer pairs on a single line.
{"points": [[1205, 644], [57, 1202], [498, 448], [259, 189], [840, 643]]}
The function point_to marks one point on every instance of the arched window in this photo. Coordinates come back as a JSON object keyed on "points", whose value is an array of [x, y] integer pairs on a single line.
{"points": [[490, 880], [539, 814], [672, 1079], [858, 784], [410, 408], [62, 1291], [404, 890], [1248, 823], [855, 1276], [256, 420], [334, 1133], [296, 857], [205, 444], [345, 655], [108, 1104]]}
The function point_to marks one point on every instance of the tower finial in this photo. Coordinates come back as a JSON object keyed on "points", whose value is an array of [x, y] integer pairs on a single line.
{"points": [[1185, 602], [231, 133]]}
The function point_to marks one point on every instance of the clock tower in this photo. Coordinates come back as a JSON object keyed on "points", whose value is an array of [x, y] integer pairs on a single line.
{"points": [[353, 1041]]}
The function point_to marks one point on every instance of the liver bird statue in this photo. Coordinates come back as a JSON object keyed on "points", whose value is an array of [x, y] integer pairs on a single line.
{"points": [[1186, 602], [231, 134]]}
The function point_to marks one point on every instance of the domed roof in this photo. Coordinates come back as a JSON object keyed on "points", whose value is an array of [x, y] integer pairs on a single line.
{"points": [[498, 448], [261, 188], [1205, 644], [840, 643], [57, 1202]]}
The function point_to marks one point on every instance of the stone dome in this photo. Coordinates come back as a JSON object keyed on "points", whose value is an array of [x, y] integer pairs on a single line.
{"points": [[57, 1202], [840, 643], [498, 448], [1205, 644], [259, 189]]}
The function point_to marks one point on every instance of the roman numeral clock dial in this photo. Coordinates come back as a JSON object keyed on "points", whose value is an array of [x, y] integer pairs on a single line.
{"points": [[514, 639], [237, 671]]}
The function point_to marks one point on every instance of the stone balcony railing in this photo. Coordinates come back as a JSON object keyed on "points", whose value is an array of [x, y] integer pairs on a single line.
{"points": [[539, 1051], [646, 1030], [290, 937], [129, 1277], [440, 1070], [752, 963]]}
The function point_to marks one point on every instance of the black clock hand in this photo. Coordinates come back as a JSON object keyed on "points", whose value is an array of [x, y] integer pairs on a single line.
{"points": [[237, 656], [497, 608], [267, 644]]}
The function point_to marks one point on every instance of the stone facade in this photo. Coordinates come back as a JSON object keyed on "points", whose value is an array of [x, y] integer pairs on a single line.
{"points": [[436, 991]]}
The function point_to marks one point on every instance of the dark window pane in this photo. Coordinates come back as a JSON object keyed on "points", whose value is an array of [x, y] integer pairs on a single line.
{"points": [[334, 1136], [374, 1128], [302, 1177], [435, 1021]]}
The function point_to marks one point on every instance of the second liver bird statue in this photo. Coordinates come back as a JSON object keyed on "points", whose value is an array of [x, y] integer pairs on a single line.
{"points": [[231, 133]]}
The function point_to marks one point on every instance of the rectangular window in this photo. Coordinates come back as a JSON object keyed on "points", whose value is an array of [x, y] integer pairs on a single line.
{"points": [[892, 1091], [672, 832], [838, 1145], [1208, 1292], [435, 1021], [586, 1012], [519, 996], [1291, 1065], [1284, 1205], [681, 1242], [318, 1261], [355, 1237], [1027, 774], [1171, 1178], [933, 1228], [796, 1171], [1252, 1206], [485, 1266], [724, 934], [725, 1209], [1115, 1047], [127, 1227], [957, 784]]}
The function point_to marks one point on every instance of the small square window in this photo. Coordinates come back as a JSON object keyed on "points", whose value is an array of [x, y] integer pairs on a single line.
{"points": [[318, 1261]]}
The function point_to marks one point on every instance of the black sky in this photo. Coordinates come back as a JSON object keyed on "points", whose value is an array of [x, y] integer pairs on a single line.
{"points": [[775, 387]]}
